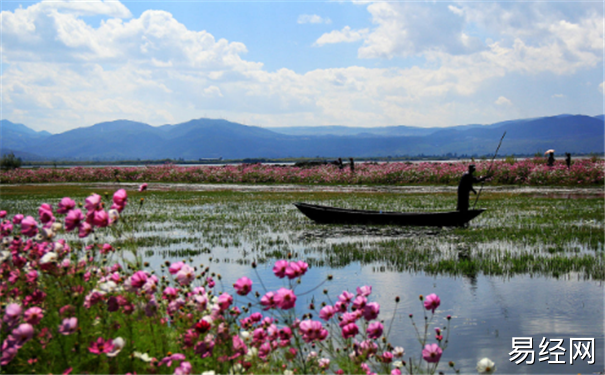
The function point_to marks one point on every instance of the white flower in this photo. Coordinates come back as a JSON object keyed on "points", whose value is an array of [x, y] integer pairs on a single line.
{"points": [[398, 364], [47, 233], [398, 352], [244, 334], [311, 355], [58, 247], [107, 287], [486, 366], [142, 356], [56, 227], [49, 257], [118, 344], [208, 373], [252, 352], [236, 369], [288, 372], [4, 256]]}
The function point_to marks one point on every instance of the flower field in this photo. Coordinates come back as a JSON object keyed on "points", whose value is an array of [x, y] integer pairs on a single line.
{"points": [[532, 172]]}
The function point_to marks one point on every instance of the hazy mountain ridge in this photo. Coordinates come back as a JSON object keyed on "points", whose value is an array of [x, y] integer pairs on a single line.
{"points": [[213, 138]]}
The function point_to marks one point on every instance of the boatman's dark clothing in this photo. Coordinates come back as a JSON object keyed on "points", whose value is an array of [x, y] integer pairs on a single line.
{"points": [[464, 189]]}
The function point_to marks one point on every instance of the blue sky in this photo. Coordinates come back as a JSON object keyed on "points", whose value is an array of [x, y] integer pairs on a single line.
{"points": [[68, 64]]}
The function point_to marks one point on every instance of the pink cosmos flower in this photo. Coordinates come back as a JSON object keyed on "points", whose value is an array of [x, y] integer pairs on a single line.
{"points": [[395, 371], [170, 293], [73, 220], [45, 213], [185, 275], [431, 302], [2, 214], [279, 269], [93, 202], [239, 347], [33, 315], [312, 330], [119, 200], [375, 330], [65, 205], [17, 219], [346, 297], [204, 348], [138, 279], [387, 357], [85, 229], [224, 301], [432, 353], [68, 326], [327, 312], [183, 369], [100, 218], [23, 333], [285, 299], [174, 357], [100, 346], [365, 290], [243, 286], [360, 302], [268, 300], [350, 330], [29, 227], [12, 312], [143, 187], [175, 267], [371, 311]]}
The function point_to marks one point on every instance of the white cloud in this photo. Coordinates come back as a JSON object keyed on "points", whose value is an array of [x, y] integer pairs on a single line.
{"points": [[503, 101], [602, 88], [558, 96], [313, 18], [346, 35]]}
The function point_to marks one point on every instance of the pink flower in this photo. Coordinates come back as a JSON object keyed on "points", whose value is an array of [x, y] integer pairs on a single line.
{"points": [[375, 330], [243, 286], [2, 214], [93, 202], [119, 200], [23, 333], [12, 312], [85, 229], [183, 369], [73, 220], [65, 205], [174, 357], [431, 302], [279, 269], [68, 326], [100, 346], [239, 347], [204, 348], [371, 311], [33, 315], [346, 297], [327, 312], [170, 293], [268, 300], [365, 290], [224, 301], [29, 227], [100, 218], [395, 371], [185, 275], [45, 213], [360, 302], [387, 357], [175, 267], [143, 187], [350, 330], [432, 353], [138, 279], [17, 219], [312, 330], [296, 269], [285, 299]]}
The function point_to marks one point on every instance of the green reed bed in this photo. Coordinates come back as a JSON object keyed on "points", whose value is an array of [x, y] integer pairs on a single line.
{"points": [[520, 233]]}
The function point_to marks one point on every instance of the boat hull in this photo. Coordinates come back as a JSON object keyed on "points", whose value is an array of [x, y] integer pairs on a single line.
{"points": [[333, 215]]}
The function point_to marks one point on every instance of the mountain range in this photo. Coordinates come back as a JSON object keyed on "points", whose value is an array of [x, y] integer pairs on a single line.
{"points": [[213, 138]]}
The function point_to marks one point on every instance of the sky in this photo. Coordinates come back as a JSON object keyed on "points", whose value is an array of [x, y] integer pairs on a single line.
{"points": [[69, 64]]}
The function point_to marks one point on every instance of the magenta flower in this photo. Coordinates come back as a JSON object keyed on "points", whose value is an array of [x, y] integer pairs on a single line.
{"points": [[170, 293], [65, 205], [371, 311], [73, 220], [93, 202], [327, 312], [100, 218], [346, 297], [239, 347], [138, 279], [365, 290], [279, 269], [100, 346], [143, 187], [224, 301], [185, 275], [350, 330], [85, 229], [12, 312], [243, 286], [285, 299], [2, 214], [33, 315], [432, 353], [45, 213], [268, 300], [175, 267], [174, 357], [29, 227], [375, 330], [17, 219], [69, 326], [431, 302], [183, 369], [204, 348], [312, 330], [23, 333], [119, 200], [296, 269]]}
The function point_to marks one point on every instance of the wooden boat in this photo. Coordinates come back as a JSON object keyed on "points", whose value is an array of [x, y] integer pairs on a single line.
{"points": [[333, 215]]}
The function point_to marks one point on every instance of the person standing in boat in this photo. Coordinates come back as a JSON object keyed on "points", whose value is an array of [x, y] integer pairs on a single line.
{"points": [[466, 186]]}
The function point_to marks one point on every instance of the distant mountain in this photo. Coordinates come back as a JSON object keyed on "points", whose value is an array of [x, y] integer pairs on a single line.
{"points": [[208, 138]]}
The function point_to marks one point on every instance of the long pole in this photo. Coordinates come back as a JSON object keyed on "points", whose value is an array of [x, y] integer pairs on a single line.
{"points": [[489, 169]]}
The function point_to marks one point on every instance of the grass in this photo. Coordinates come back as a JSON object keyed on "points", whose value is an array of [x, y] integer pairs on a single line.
{"points": [[520, 233]]}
